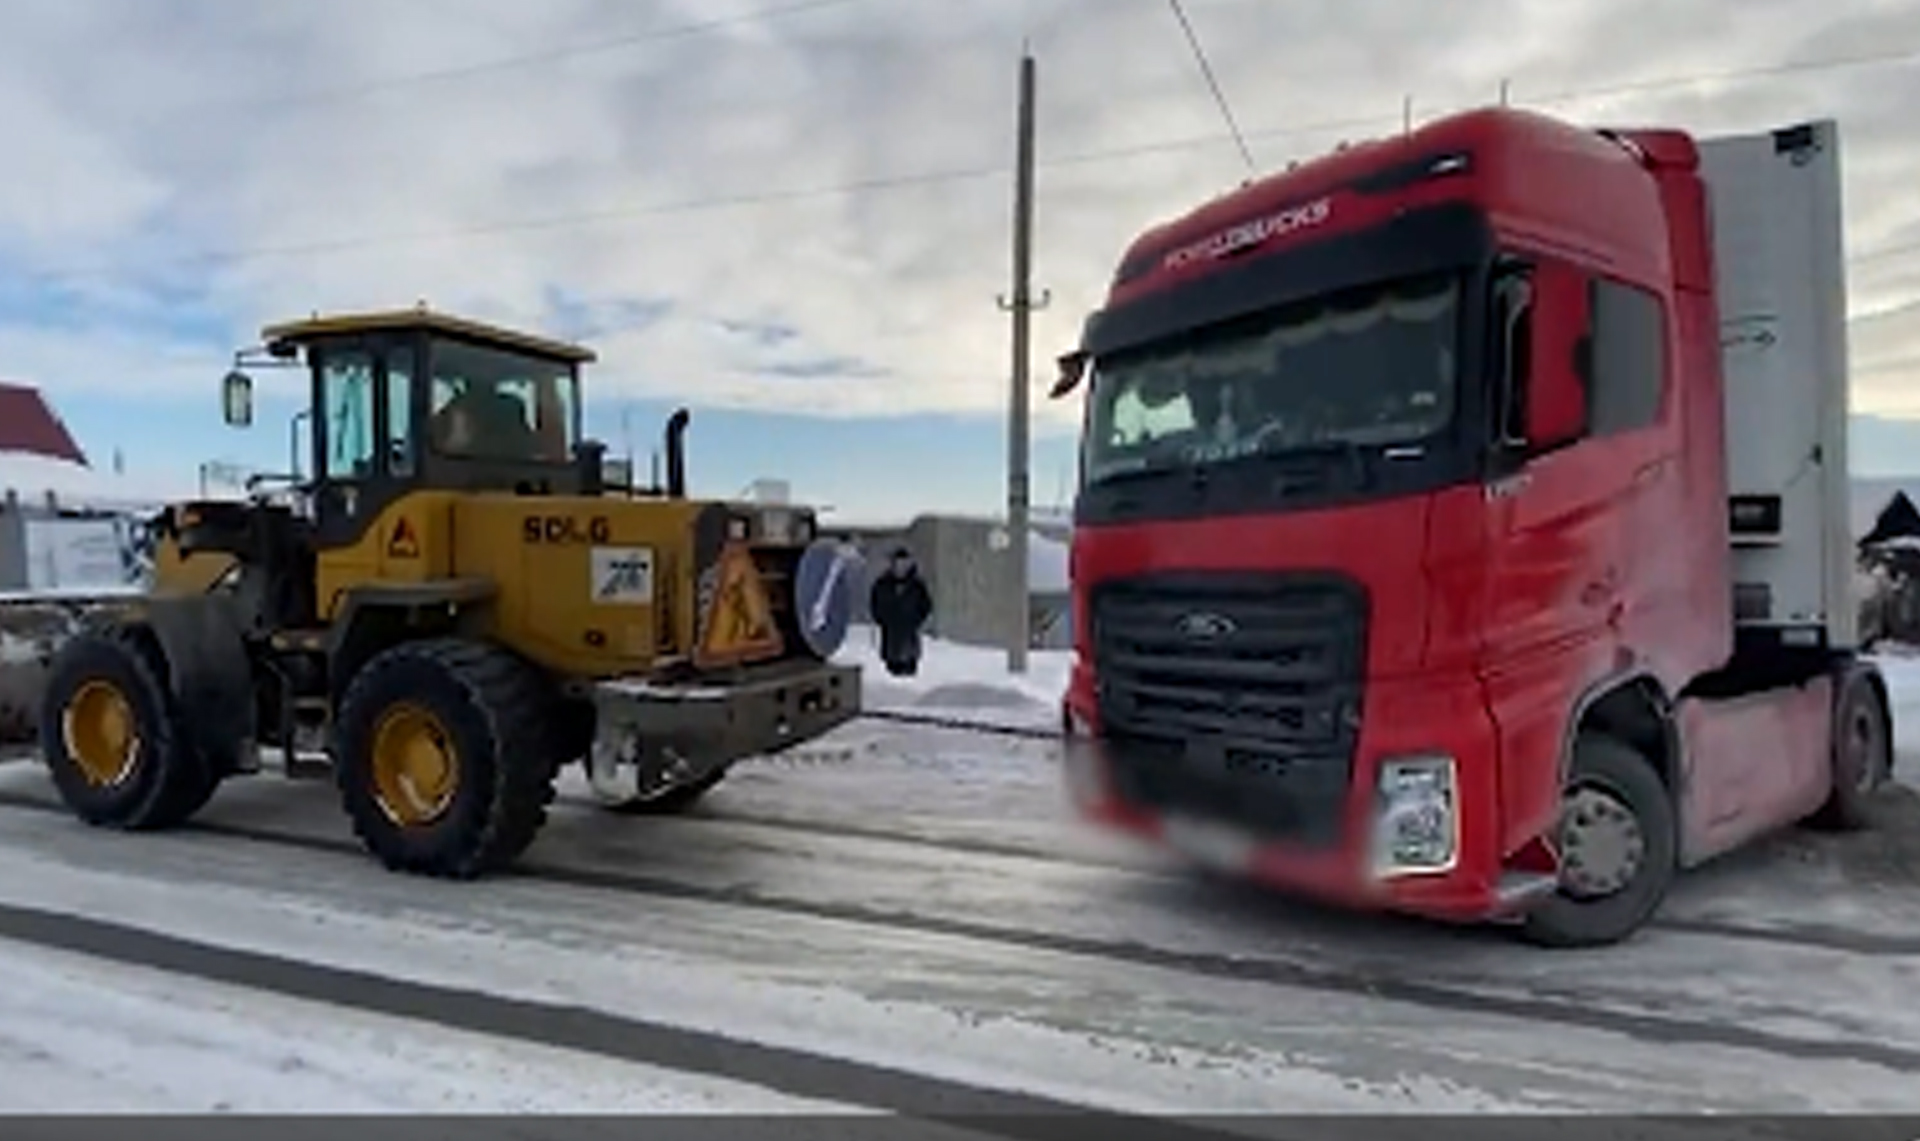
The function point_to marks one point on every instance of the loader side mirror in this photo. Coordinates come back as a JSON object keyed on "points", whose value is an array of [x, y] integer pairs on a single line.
{"points": [[236, 399]]}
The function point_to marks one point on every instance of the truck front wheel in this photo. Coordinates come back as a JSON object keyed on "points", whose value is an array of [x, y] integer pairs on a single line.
{"points": [[1618, 848]]}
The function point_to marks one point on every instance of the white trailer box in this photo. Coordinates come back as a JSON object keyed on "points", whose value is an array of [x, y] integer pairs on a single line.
{"points": [[1775, 201]]}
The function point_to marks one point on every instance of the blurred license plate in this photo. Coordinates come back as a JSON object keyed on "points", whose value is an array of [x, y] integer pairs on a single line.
{"points": [[1212, 843]]}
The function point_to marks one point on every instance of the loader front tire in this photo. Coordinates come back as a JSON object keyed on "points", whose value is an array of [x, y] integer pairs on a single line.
{"points": [[443, 758], [113, 735]]}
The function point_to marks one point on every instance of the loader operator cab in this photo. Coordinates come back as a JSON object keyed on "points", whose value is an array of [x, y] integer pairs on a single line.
{"points": [[417, 400]]}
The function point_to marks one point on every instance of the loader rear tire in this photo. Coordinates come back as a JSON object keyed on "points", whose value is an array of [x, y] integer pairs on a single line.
{"points": [[443, 757], [113, 735]]}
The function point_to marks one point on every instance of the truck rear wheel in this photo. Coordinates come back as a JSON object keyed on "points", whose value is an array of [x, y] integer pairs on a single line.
{"points": [[1618, 848], [1861, 752], [113, 737], [444, 762]]}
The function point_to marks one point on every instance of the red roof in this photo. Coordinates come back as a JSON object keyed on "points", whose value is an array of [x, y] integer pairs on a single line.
{"points": [[28, 425]]}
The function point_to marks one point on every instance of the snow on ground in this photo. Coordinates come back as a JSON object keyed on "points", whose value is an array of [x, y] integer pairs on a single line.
{"points": [[81, 1036], [34, 477], [929, 825], [779, 980], [963, 682]]}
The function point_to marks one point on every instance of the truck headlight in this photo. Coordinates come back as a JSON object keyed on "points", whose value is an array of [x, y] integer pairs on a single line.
{"points": [[1416, 821]]}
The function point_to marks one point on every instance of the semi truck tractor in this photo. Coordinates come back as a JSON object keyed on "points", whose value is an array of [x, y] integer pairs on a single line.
{"points": [[1462, 523]]}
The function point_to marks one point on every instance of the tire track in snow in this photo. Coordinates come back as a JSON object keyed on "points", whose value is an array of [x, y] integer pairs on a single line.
{"points": [[795, 1072], [1568, 1010], [1812, 936]]}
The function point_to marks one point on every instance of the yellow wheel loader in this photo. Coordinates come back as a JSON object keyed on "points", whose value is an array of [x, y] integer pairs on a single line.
{"points": [[452, 605]]}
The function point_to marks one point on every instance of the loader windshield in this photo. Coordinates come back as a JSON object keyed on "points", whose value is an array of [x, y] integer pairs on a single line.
{"points": [[1363, 369], [492, 404]]}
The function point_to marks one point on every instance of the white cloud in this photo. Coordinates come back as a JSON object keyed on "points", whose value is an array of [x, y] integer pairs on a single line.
{"points": [[154, 129]]}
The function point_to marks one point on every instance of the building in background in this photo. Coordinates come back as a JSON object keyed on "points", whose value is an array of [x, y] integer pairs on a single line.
{"points": [[966, 564], [64, 525], [28, 426]]}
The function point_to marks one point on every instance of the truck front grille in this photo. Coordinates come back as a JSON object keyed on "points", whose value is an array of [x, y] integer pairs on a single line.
{"points": [[1232, 696]]}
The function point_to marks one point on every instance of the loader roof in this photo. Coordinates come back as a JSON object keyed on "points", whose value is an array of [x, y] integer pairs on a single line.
{"points": [[292, 333]]}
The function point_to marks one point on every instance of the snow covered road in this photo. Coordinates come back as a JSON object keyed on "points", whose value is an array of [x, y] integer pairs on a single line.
{"points": [[900, 918]]}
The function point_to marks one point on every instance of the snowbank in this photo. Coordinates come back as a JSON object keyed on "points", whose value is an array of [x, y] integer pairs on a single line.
{"points": [[967, 682], [1901, 667], [72, 485], [1047, 565]]}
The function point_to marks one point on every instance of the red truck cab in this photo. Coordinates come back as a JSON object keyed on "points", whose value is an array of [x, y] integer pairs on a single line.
{"points": [[1461, 522]]}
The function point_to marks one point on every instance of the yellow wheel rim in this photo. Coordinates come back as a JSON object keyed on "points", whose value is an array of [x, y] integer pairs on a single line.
{"points": [[101, 733], [415, 768]]}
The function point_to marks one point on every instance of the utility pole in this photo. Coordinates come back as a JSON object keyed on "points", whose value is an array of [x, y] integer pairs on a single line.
{"points": [[1021, 305]]}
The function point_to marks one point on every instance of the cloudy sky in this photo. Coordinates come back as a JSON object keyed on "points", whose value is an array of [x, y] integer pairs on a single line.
{"points": [[792, 215]]}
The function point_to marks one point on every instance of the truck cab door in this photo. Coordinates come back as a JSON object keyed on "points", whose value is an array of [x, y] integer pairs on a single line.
{"points": [[1558, 540]]}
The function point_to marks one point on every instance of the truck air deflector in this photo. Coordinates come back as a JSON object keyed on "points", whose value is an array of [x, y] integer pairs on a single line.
{"points": [[1453, 235]]}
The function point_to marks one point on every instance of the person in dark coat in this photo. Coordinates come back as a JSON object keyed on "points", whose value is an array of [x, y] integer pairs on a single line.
{"points": [[900, 604]]}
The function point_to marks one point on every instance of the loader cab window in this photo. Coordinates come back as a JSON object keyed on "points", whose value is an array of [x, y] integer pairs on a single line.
{"points": [[347, 406], [492, 404], [399, 397]]}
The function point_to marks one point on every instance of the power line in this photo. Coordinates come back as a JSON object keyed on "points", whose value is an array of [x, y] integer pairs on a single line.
{"points": [[527, 59], [1792, 67], [908, 180], [1213, 82]]}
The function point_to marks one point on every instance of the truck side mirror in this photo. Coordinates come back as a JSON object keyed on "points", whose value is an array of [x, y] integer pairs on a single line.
{"points": [[1512, 314], [236, 399], [1556, 403], [1073, 368]]}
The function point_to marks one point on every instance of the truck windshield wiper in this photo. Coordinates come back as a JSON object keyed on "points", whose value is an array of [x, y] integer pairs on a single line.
{"points": [[1144, 471]]}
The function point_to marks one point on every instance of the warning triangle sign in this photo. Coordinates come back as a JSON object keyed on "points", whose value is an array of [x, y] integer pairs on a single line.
{"points": [[403, 544], [739, 621]]}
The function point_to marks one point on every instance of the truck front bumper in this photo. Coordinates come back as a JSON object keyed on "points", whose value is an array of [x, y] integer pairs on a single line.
{"points": [[1424, 717], [696, 727], [1464, 893]]}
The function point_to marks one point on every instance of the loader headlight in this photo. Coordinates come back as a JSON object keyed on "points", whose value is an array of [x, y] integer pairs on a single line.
{"points": [[1416, 822]]}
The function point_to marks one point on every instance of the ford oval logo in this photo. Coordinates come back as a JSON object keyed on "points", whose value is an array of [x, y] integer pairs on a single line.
{"points": [[1206, 627]]}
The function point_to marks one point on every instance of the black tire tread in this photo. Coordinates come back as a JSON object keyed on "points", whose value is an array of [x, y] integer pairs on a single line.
{"points": [[1562, 923], [1846, 808], [513, 702]]}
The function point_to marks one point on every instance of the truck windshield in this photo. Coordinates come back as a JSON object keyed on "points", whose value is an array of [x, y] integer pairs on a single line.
{"points": [[1364, 368]]}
